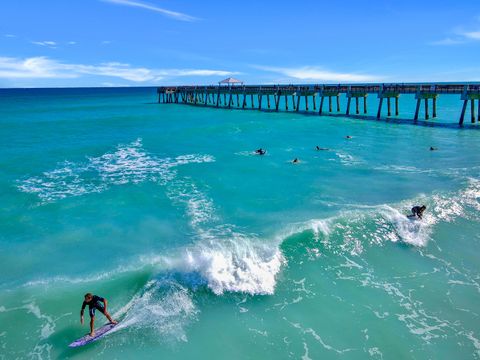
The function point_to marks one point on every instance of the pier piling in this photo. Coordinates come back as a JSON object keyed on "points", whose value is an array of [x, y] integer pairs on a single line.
{"points": [[472, 110], [216, 96]]}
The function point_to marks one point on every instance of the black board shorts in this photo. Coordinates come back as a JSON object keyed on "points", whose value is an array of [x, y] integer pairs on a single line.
{"points": [[97, 306]]}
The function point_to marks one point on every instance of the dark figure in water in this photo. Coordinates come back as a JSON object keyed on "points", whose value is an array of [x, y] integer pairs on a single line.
{"points": [[260, 151], [433, 148], [295, 161], [320, 148], [417, 211], [348, 137]]}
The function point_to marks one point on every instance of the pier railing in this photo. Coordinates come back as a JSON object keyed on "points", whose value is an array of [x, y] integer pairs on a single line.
{"points": [[244, 96]]}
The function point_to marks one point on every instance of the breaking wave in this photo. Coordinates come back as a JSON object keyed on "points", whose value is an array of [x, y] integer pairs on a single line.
{"points": [[352, 230]]}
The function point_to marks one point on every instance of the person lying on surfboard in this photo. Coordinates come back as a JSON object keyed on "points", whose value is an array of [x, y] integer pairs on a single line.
{"points": [[417, 211], [93, 302]]}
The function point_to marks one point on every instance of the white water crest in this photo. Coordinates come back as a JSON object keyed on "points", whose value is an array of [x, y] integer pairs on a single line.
{"points": [[351, 230], [228, 261], [129, 163], [163, 306]]}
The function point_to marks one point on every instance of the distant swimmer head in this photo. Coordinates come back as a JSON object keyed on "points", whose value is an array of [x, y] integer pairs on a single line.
{"points": [[260, 151], [433, 148], [348, 137], [295, 161]]}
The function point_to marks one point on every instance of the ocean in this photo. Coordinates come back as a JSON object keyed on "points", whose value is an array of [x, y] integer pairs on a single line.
{"points": [[205, 250]]}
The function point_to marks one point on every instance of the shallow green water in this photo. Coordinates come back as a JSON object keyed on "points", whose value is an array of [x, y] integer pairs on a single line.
{"points": [[205, 250]]}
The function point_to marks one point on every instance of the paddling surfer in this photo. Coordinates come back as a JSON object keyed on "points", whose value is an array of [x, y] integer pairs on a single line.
{"points": [[94, 303]]}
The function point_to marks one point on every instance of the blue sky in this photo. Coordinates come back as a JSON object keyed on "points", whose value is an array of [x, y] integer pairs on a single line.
{"points": [[52, 43]]}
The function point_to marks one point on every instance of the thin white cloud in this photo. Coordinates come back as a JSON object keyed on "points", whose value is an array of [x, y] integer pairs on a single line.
{"points": [[44, 67], [30, 68], [460, 36], [172, 14], [10, 36], [110, 84], [313, 73], [50, 44], [474, 35], [72, 43], [448, 41]]}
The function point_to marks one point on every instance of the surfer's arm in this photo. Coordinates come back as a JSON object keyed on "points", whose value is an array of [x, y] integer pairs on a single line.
{"points": [[105, 302], [81, 313]]}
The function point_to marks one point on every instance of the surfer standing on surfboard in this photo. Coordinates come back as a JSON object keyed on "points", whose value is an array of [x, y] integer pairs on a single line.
{"points": [[417, 211], [93, 302]]}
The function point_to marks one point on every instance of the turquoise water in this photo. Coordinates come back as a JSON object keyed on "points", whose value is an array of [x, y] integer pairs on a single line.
{"points": [[205, 250]]}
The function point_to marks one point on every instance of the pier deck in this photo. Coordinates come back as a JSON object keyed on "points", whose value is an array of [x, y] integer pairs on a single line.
{"points": [[268, 97]]}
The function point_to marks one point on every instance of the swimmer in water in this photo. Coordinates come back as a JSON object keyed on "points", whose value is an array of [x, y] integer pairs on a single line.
{"points": [[295, 161], [260, 151]]}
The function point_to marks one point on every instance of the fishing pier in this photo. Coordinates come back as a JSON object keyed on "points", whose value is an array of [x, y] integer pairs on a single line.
{"points": [[314, 98]]}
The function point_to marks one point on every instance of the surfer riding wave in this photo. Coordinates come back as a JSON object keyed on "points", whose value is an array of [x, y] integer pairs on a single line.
{"points": [[93, 302]]}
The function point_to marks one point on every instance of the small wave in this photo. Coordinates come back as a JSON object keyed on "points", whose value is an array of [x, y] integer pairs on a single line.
{"points": [[347, 159], [403, 169], [455, 173], [246, 153]]}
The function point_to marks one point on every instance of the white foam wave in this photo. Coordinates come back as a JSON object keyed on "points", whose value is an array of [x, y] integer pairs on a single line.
{"points": [[382, 223], [199, 208], [347, 159], [456, 173], [130, 163], [403, 169], [235, 264], [460, 204], [226, 261], [164, 306]]}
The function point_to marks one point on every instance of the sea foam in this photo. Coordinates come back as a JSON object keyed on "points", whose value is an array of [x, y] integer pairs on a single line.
{"points": [[129, 163]]}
